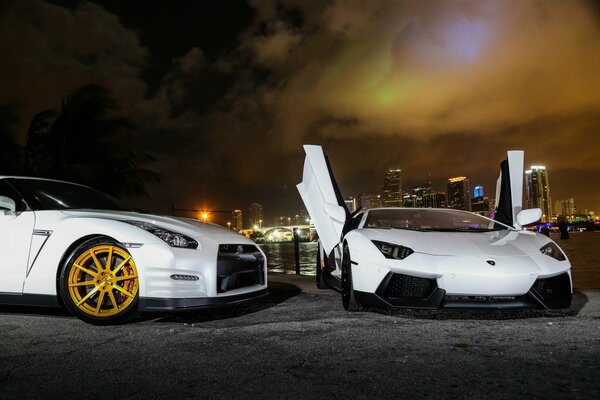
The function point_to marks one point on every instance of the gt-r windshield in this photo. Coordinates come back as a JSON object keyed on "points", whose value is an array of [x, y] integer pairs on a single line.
{"points": [[52, 195], [430, 220]]}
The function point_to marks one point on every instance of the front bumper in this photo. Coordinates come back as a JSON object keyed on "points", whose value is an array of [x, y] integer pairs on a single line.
{"points": [[404, 291], [432, 281], [150, 304], [218, 275]]}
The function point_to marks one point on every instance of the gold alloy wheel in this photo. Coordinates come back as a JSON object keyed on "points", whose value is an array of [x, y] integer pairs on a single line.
{"points": [[103, 281]]}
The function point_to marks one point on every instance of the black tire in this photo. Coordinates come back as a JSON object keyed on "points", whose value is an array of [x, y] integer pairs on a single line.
{"points": [[348, 298], [111, 314], [319, 275]]}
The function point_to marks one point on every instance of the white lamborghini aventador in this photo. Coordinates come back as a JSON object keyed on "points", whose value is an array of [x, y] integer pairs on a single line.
{"points": [[434, 258], [71, 245]]}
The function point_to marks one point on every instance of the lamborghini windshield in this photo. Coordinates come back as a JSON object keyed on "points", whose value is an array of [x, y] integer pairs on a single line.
{"points": [[430, 220], [53, 195]]}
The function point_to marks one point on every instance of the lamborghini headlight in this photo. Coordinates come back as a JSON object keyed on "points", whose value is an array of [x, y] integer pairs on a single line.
{"points": [[393, 251], [551, 249], [173, 239]]}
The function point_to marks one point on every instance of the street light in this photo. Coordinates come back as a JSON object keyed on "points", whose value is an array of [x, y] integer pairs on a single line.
{"points": [[289, 221], [260, 223], [229, 225], [204, 216]]}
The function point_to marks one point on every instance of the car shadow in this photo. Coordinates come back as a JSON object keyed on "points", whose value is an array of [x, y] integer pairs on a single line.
{"points": [[577, 303], [279, 292]]}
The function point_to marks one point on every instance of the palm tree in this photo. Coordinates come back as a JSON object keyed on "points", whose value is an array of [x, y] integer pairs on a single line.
{"points": [[85, 142], [11, 152]]}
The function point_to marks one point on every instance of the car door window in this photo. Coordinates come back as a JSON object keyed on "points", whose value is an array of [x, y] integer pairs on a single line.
{"points": [[8, 191]]}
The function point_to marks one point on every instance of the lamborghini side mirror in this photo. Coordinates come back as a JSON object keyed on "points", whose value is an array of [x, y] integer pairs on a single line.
{"points": [[335, 212], [526, 217]]}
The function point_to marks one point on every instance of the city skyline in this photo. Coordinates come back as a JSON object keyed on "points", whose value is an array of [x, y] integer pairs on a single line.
{"points": [[425, 195]]}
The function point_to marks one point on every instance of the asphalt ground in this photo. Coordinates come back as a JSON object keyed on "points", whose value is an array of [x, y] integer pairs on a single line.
{"points": [[299, 343]]}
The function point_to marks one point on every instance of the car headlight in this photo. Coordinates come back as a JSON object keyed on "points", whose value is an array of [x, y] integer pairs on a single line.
{"points": [[173, 239], [393, 251], [551, 249]]}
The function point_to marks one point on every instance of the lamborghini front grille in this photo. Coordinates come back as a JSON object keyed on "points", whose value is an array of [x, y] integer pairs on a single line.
{"points": [[408, 286]]}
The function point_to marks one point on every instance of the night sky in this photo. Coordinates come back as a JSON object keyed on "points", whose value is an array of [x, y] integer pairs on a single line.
{"points": [[224, 93]]}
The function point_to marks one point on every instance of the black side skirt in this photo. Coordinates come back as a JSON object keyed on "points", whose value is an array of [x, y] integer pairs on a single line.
{"points": [[38, 300], [159, 304]]}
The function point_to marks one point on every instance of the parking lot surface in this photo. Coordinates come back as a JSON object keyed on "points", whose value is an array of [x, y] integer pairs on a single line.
{"points": [[298, 342]]}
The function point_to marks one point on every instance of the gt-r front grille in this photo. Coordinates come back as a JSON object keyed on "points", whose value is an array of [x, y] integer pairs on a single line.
{"points": [[407, 286], [237, 249], [238, 266]]}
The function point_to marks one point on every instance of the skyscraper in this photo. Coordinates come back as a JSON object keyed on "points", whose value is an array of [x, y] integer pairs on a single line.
{"points": [[434, 200], [368, 201], [459, 193], [538, 191], [479, 203], [352, 203], [392, 189], [565, 208], [417, 194], [478, 191], [255, 215], [236, 216]]}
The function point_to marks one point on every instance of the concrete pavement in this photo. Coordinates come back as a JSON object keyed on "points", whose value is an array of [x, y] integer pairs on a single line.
{"points": [[299, 343]]}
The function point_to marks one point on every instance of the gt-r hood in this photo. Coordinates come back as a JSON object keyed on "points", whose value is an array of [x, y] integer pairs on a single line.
{"points": [[188, 226], [496, 244]]}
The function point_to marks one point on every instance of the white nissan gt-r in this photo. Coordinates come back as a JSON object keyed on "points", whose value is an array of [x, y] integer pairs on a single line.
{"points": [[71, 245], [434, 258]]}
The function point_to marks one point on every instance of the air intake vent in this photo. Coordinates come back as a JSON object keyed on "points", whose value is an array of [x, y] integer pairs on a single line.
{"points": [[554, 292], [408, 286]]}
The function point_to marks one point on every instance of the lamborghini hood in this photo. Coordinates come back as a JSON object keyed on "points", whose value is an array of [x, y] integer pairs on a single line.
{"points": [[497, 243]]}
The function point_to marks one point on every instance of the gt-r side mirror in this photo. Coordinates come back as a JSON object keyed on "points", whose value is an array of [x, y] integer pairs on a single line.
{"points": [[526, 217], [7, 205]]}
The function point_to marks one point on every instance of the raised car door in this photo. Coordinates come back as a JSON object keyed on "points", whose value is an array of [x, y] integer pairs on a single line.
{"points": [[16, 229], [322, 198], [509, 188]]}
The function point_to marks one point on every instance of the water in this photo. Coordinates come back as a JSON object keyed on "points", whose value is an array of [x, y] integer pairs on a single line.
{"points": [[583, 250], [280, 257]]}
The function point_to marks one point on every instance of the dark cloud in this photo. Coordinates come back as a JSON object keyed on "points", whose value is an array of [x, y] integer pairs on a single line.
{"points": [[437, 89], [48, 51]]}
